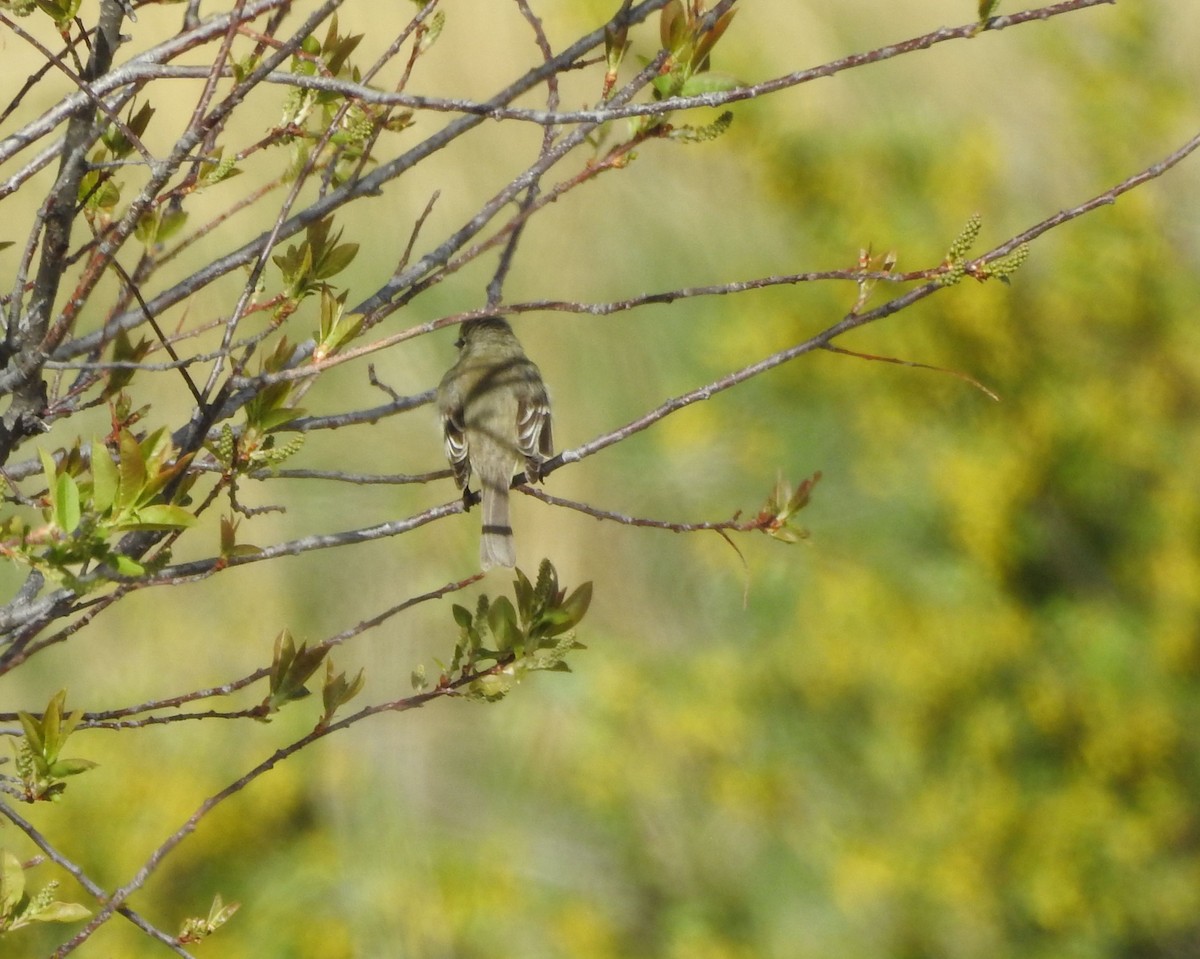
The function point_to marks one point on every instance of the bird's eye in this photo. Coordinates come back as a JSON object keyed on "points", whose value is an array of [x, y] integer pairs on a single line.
{"points": [[459, 343]]}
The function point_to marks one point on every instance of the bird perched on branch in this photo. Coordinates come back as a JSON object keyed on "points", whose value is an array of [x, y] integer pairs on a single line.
{"points": [[495, 413]]}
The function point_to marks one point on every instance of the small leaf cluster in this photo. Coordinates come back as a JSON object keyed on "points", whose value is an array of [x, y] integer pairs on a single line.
{"points": [[270, 408], [124, 350], [136, 122], [216, 167], [254, 446], [248, 449], [230, 547], [62, 12], [328, 57], [305, 267], [127, 487], [198, 928], [41, 768], [308, 115], [956, 265], [1004, 267], [91, 500], [292, 668], [19, 8], [965, 240], [775, 518], [336, 328], [869, 262], [160, 223], [535, 633], [18, 908], [99, 191], [427, 35], [688, 34]]}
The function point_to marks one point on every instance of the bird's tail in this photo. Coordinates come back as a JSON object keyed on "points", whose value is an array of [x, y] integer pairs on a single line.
{"points": [[496, 547]]}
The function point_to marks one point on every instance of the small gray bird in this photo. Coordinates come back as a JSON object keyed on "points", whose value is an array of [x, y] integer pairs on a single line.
{"points": [[495, 412]]}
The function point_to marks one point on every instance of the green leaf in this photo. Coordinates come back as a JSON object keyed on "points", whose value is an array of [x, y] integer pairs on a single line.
{"points": [[553, 622], [159, 516], [156, 448], [33, 732], [462, 616], [61, 912], [38, 761], [290, 670], [63, 11], [171, 222], [223, 168], [708, 82], [667, 84], [50, 471], [273, 419], [49, 468], [51, 725], [12, 883], [672, 24], [146, 231], [419, 682], [66, 503], [70, 767], [336, 328], [337, 691], [706, 43], [338, 51], [68, 723], [523, 590], [432, 30], [220, 912], [335, 261], [126, 566], [195, 929], [104, 478], [502, 621], [132, 471], [616, 44], [576, 605]]}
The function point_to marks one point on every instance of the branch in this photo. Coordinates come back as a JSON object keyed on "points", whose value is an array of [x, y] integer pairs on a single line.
{"points": [[368, 186], [118, 897], [198, 569], [853, 321], [604, 114], [120, 719], [95, 890], [128, 74], [734, 525], [24, 349]]}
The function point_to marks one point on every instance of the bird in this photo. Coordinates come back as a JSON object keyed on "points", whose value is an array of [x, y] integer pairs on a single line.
{"points": [[495, 412]]}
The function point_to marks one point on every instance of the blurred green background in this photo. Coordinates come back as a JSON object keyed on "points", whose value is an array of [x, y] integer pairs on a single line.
{"points": [[961, 721]]}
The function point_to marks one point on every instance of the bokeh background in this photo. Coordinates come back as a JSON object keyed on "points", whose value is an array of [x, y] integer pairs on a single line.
{"points": [[962, 720]]}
